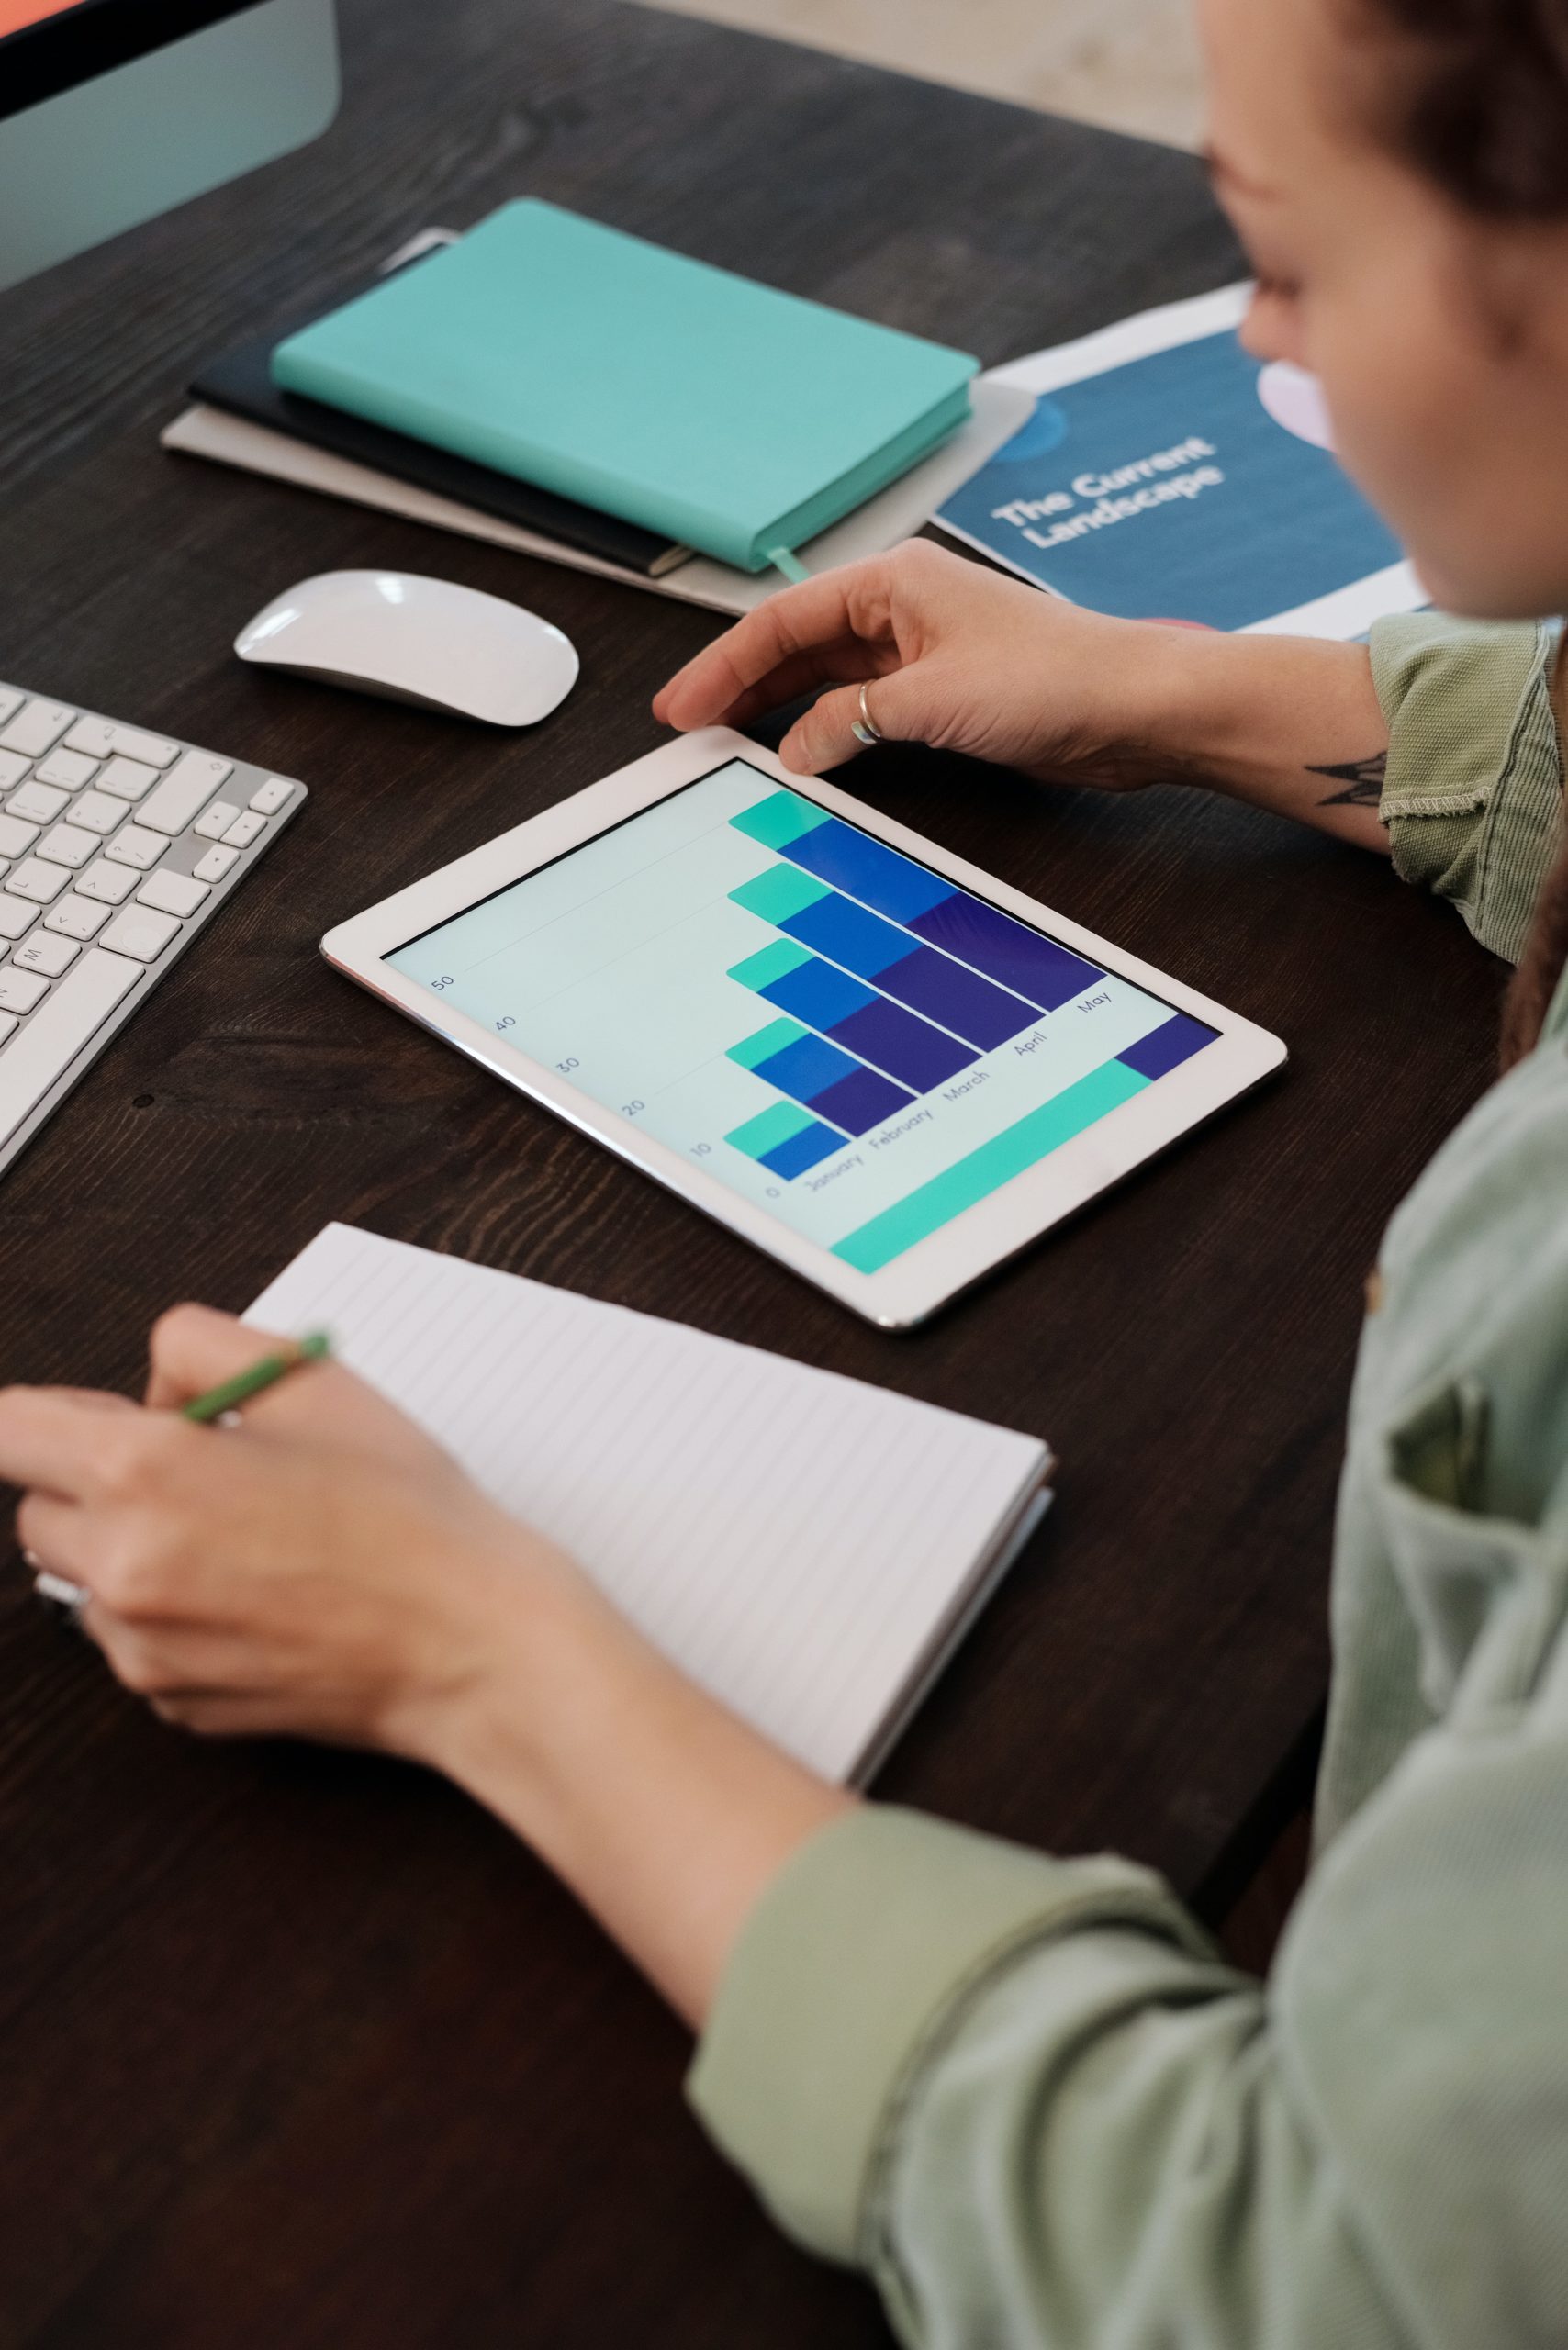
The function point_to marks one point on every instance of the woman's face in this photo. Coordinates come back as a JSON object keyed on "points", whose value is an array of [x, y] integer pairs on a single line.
{"points": [[1441, 341]]}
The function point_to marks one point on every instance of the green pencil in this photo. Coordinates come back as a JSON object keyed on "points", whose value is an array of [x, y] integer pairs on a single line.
{"points": [[266, 1374]]}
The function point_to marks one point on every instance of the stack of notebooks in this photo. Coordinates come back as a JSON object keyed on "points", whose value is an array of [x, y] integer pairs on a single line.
{"points": [[567, 389], [810, 1549]]}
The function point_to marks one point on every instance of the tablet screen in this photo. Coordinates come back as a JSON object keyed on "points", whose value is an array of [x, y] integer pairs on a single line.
{"points": [[854, 1044]]}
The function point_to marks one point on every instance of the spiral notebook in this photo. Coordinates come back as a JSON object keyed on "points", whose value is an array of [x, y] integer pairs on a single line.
{"points": [[809, 1548]]}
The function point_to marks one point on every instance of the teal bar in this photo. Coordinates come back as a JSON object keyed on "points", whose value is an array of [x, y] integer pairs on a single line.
{"points": [[781, 893], [779, 820], [985, 1170], [755, 1050], [775, 962], [780, 1125]]}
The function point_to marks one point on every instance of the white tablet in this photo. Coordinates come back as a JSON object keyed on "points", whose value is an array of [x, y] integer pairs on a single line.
{"points": [[873, 1060]]}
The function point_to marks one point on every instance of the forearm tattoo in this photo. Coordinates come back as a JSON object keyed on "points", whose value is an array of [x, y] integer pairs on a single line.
{"points": [[1364, 781]]}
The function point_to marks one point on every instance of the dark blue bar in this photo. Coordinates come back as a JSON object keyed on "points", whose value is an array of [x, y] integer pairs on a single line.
{"points": [[861, 1101], [1167, 1047], [847, 933], [883, 880], [805, 1069], [907, 1048], [958, 998], [1015, 957], [804, 1150], [819, 995]]}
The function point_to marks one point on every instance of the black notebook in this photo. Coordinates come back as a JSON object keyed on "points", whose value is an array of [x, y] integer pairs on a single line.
{"points": [[241, 383]]}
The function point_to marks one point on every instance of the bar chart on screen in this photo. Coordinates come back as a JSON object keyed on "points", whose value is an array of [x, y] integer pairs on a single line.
{"points": [[831, 1028]]}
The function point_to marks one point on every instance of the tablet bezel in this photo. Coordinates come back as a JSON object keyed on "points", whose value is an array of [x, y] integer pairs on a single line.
{"points": [[913, 1286]]}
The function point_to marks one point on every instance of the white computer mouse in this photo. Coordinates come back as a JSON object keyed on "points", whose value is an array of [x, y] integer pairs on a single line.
{"points": [[410, 639]]}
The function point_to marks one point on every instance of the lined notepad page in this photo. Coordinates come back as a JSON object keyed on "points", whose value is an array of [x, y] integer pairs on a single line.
{"points": [[794, 1540]]}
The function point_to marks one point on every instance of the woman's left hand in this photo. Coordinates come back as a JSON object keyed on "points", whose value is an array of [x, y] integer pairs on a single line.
{"points": [[323, 1571]]}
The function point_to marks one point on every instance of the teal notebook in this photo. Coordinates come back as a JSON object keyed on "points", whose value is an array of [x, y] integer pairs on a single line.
{"points": [[723, 414]]}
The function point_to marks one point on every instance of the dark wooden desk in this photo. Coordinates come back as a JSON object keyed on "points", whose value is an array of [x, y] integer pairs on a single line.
{"points": [[298, 2048]]}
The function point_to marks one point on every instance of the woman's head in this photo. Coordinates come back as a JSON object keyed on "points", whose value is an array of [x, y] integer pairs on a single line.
{"points": [[1399, 171]]}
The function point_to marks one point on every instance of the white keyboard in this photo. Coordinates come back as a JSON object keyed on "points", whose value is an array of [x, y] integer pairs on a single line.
{"points": [[116, 846]]}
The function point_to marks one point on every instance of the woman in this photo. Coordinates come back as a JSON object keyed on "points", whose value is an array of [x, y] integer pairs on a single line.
{"points": [[1025, 2094]]}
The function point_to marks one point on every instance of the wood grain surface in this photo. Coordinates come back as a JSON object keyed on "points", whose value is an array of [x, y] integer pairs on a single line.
{"points": [[300, 2047]]}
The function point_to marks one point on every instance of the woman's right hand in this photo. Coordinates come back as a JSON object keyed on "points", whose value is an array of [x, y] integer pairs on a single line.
{"points": [[954, 655], [325, 1571]]}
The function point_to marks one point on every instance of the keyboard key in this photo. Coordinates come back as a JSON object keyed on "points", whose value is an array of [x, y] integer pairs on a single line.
{"points": [[141, 932], [100, 738], [10, 702], [37, 802], [13, 768], [19, 991], [69, 769], [135, 846], [216, 864], [97, 812], [112, 883], [16, 838], [16, 915], [7, 1022], [46, 952], [76, 1009], [243, 831], [128, 779], [65, 845], [76, 917], [131, 846], [214, 822], [33, 878], [36, 728], [274, 794], [173, 893], [184, 791]]}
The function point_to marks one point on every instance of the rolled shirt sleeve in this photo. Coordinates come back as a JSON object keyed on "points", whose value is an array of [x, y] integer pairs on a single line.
{"points": [[1473, 795], [857, 1952], [1030, 2097], [1031, 2101]]}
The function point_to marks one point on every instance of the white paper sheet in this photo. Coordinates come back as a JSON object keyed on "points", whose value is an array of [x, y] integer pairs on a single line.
{"points": [[798, 1542]]}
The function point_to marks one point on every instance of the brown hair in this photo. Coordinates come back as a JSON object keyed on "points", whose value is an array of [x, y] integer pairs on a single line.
{"points": [[1478, 102], [1480, 99]]}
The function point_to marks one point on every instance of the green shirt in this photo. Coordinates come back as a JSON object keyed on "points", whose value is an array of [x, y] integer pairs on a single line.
{"points": [[1027, 2095]]}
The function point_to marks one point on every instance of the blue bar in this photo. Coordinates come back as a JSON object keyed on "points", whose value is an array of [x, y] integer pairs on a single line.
{"points": [[847, 933], [803, 1151], [958, 998], [806, 1069], [880, 877], [907, 1048], [1005, 951], [818, 995], [862, 1102], [944, 991], [1167, 1048]]}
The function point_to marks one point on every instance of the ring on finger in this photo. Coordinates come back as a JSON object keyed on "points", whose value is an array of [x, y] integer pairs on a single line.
{"points": [[73, 1596], [865, 728], [48, 1585]]}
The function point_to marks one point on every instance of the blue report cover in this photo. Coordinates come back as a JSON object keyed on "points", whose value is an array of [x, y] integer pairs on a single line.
{"points": [[1189, 483]]}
